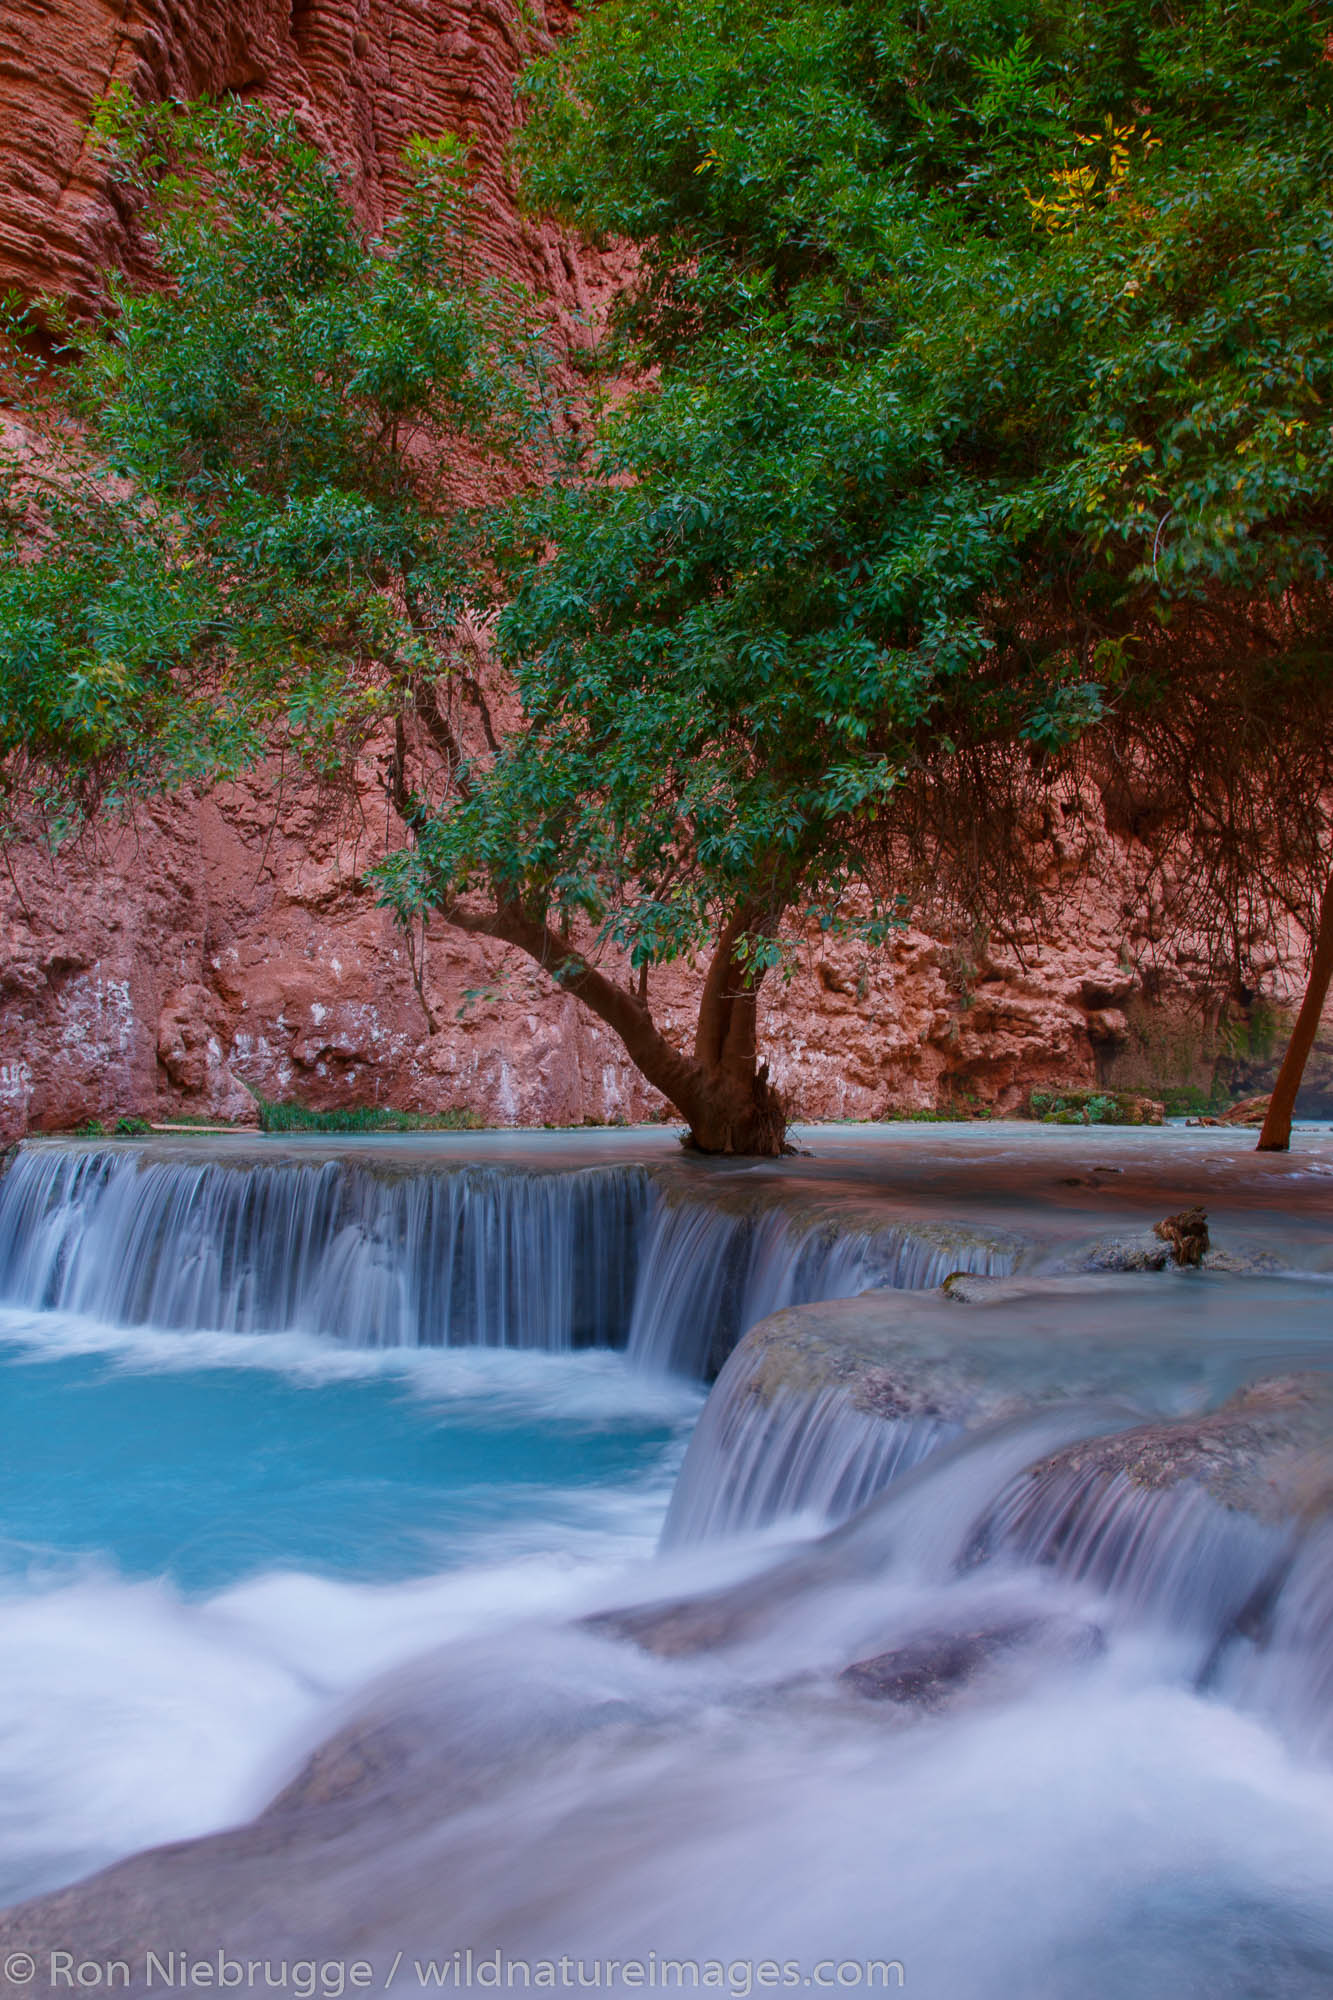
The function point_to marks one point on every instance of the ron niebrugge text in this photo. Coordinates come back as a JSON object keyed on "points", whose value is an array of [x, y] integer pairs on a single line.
{"points": [[330, 1979]]}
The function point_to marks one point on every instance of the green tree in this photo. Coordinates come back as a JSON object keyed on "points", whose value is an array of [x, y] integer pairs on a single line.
{"points": [[981, 358], [247, 536], [232, 527], [991, 354]]}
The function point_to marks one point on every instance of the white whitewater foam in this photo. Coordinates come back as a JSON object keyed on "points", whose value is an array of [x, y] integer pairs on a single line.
{"points": [[595, 1384], [132, 1715]]}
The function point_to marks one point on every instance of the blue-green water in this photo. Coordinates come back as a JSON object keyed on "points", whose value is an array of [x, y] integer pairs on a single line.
{"points": [[219, 1548], [208, 1474], [207, 1542]]}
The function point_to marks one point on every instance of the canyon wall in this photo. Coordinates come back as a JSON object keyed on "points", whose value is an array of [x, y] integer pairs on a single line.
{"points": [[228, 944], [360, 76]]}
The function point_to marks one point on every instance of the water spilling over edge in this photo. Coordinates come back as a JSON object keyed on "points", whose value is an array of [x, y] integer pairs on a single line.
{"points": [[469, 1255]]}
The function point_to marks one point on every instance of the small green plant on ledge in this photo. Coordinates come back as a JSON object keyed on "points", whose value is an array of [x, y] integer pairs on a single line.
{"points": [[124, 1127], [1188, 1100], [1094, 1107], [362, 1118], [950, 1111]]}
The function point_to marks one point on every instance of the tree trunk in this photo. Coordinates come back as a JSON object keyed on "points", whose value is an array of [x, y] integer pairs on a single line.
{"points": [[1276, 1134], [723, 1092], [735, 1108], [728, 1117]]}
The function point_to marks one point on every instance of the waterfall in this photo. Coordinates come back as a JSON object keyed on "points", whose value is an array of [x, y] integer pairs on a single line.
{"points": [[759, 1456], [477, 1256], [374, 1254], [709, 1272], [1171, 1553], [752, 1463], [1283, 1644], [984, 1510]]}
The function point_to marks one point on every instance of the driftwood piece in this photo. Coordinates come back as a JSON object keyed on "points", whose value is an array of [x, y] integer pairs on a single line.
{"points": [[1186, 1235]]}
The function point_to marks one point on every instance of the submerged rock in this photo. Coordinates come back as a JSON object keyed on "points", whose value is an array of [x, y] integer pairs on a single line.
{"points": [[971, 1288], [1142, 1251], [677, 1628], [1242, 1262], [930, 1670], [349, 1853], [890, 1354]]}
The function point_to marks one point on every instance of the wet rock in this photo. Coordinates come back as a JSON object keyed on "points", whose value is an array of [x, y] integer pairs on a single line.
{"points": [[1267, 1451], [881, 1351], [343, 1858], [976, 1288], [356, 1762], [1242, 1262], [1182, 1241], [927, 1671], [930, 1670], [680, 1627], [1250, 1111], [1142, 1251]]}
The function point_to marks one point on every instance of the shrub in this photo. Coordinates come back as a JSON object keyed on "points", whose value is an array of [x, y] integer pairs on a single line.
{"points": [[363, 1118]]}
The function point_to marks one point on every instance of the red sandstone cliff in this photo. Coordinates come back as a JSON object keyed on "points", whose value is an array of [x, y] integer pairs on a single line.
{"points": [[230, 940], [361, 77]]}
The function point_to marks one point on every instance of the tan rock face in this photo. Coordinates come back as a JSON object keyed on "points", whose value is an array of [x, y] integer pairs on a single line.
{"points": [[231, 940]]}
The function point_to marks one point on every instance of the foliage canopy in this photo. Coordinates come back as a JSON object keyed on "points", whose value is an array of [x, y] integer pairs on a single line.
{"points": [[982, 412], [994, 357], [235, 527]]}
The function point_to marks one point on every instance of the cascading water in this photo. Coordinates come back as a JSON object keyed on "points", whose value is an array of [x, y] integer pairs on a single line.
{"points": [[375, 1256], [1031, 1717], [711, 1271], [812, 1768], [753, 1463], [1176, 1555], [1281, 1662], [761, 1454]]}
